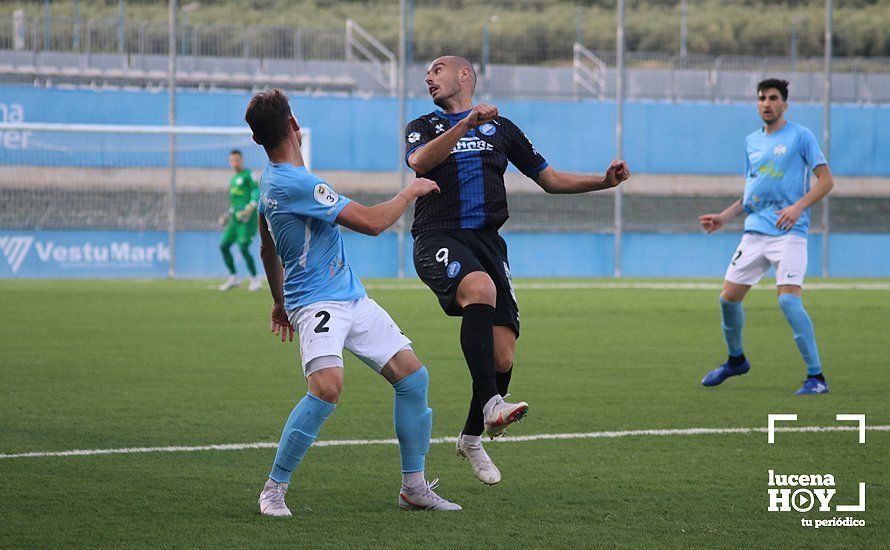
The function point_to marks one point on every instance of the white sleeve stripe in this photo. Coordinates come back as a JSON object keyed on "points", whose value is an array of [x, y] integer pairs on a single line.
{"points": [[307, 238]]}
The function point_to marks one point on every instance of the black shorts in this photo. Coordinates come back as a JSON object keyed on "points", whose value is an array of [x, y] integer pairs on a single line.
{"points": [[443, 257]]}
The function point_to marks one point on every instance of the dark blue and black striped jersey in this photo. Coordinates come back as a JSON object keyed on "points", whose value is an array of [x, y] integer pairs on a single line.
{"points": [[471, 179]]}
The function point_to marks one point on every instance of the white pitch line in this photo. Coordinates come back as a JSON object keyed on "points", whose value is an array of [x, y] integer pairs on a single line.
{"points": [[437, 440], [642, 286]]}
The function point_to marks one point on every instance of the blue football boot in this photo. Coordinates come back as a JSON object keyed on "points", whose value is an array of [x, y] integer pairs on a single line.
{"points": [[812, 386], [724, 371]]}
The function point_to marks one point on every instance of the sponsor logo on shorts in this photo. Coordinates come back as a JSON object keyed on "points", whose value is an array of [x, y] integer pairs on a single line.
{"points": [[453, 269]]}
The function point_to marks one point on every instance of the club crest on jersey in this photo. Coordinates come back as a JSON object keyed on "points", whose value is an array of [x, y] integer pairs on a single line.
{"points": [[413, 137], [487, 129], [325, 195], [453, 269], [466, 144], [780, 150]]}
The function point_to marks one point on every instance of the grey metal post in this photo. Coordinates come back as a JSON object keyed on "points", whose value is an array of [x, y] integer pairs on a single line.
{"points": [[404, 7], [121, 35], [579, 30], [46, 25], [826, 136], [486, 54], [619, 128], [683, 12], [75, 41], [171, 120], [794, 21]]}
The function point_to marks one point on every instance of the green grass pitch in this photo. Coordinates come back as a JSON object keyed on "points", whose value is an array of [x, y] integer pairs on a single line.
{"points": [[111, 364]]}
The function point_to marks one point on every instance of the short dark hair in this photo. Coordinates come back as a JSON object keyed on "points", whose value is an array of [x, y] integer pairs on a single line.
{"points": [[781, 85], [267, 115], [235, 152]]}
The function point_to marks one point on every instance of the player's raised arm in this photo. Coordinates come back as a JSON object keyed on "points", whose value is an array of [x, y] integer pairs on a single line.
{"points": [[427, 156], [374, 220], [713, 222], [275, 275], [556, 182]]}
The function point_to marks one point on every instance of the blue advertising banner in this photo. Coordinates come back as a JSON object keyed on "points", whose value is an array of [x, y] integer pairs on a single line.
{"points": [[63, 254], [120, 254], [660, 137]]}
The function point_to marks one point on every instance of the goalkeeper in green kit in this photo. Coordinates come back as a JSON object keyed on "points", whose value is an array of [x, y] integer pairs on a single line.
{"points": [[240, 221]]}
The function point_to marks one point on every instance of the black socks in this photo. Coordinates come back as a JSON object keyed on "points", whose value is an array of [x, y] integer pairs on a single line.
{"points": [[736, 360], [477, 342]]}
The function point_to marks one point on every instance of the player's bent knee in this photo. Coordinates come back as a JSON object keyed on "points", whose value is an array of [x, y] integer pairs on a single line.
{"points": [[403, 364], [326, 384], [503, 363], [329, 393], [733, 292], [477, 288], [503, 359]]}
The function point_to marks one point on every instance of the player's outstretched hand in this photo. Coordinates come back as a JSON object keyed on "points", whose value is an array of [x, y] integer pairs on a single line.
{"points": [[481, 113], [617, 172], [224, 219], [280, 324], [422, 186], [711, 222]]}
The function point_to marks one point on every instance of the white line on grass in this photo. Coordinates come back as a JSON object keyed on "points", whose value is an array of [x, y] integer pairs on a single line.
{"points": [[641, 285], [512, 439]]}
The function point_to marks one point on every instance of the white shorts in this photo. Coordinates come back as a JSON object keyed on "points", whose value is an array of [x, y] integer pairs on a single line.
{"points": [[758, 252], [361, 326]]}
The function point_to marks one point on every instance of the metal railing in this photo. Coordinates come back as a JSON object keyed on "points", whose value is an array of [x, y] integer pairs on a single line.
{"points": [[362, 46], [588, 72], [111, 36]]}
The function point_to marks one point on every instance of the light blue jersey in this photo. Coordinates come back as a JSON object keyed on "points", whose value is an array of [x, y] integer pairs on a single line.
{"points": [[777, 174], [301, 211]]}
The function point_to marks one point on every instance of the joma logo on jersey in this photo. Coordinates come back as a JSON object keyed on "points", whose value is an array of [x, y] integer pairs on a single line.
{"points": [[15, 249], [269, 204], [471, 144]]}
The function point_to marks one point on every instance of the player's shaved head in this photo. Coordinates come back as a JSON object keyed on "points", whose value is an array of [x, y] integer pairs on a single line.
{"points": [[450, 78]]}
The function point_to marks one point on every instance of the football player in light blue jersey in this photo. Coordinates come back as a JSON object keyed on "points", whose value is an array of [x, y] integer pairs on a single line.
{"points": [[315, 291], [778, 161]]}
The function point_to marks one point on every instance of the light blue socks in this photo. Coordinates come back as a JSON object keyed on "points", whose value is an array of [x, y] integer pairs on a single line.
{"points": [[802, 328], [413, 419], [733, 323], [299, 433]]}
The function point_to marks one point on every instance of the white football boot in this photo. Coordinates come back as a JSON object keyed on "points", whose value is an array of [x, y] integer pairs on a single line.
{"points": [[272, 499], [255, 284], [483, 467], [230, 283], [423, 498], [502, 414]]}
